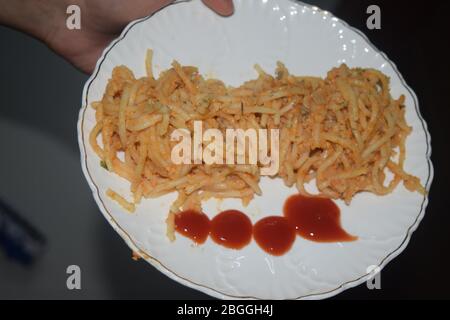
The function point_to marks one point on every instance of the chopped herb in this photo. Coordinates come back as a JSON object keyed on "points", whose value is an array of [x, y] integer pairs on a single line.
{"points": [[103, 164]]}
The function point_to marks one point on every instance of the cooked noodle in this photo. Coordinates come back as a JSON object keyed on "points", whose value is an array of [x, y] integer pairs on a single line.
{"points": [[344, 131]]}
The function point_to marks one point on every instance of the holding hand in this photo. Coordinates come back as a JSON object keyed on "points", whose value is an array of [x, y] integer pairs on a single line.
{"points": [[102, 21]]}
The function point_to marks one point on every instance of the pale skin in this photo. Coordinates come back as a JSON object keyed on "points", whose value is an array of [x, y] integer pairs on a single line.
{"points": [[101, 22]]}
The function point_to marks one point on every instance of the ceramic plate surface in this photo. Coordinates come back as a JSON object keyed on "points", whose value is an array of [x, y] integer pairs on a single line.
{"points": [[310, 42]]}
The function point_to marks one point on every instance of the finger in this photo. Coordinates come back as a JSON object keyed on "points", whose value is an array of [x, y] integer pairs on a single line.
{"points": [[223, 7]]}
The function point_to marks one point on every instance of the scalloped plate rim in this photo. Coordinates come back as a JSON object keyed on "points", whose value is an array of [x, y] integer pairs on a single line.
{"points": [[210, 291]]}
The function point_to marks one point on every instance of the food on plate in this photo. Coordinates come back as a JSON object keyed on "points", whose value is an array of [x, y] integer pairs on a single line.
{"points": [[344, 131]]}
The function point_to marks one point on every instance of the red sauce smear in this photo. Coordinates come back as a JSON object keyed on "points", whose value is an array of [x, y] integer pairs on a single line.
{"points": [[231, 229], [275, 235], [194, 225], [313, 218], [316, 219]]}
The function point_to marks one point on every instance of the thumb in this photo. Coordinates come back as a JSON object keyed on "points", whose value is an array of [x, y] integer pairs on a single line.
{"points": [[223, 7]]}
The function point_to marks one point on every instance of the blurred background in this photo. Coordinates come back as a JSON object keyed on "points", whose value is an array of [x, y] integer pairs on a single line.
{"points": [[41, 179]]}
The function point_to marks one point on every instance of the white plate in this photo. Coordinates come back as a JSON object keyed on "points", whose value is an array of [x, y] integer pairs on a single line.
{"points": [[310, 42]]}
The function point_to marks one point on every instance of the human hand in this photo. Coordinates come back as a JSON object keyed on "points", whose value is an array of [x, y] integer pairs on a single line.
{"points": [[101, 20]]}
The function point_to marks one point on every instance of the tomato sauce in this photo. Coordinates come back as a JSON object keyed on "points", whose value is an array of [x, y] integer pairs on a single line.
{"points": [[313, 218]]}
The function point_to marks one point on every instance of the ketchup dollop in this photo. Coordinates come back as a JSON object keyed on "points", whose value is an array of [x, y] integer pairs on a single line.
{"points": [[316, 219], [313, 218]]}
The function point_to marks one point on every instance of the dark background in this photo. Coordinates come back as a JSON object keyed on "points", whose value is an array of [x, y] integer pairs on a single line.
{"points": [[40, 174]]}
